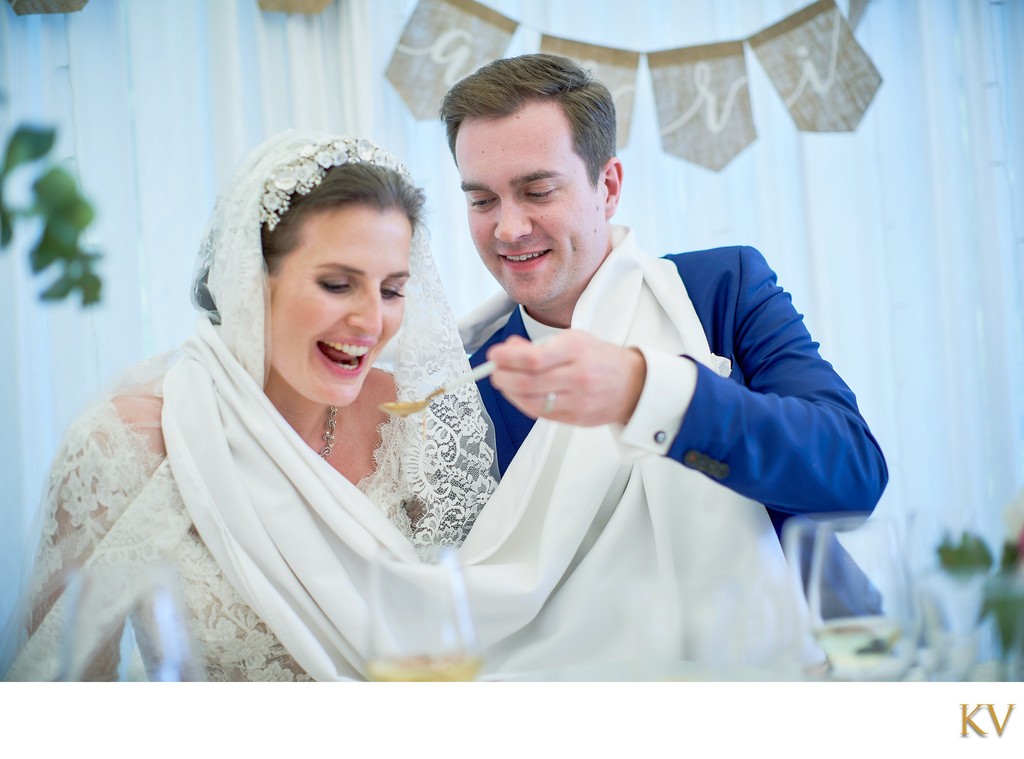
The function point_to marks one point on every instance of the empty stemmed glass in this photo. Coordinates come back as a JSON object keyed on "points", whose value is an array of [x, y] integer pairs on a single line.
{"points": [[120, 617]]}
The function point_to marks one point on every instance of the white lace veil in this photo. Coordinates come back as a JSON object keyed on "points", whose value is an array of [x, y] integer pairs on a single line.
{"points": [[445, 461]]}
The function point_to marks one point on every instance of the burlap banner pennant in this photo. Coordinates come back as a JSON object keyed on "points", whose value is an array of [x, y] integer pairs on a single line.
{"points": [[310, 7], [444, 41], [703, 102], [27, 7], [615, 68], [824, 77], [856, 12]]}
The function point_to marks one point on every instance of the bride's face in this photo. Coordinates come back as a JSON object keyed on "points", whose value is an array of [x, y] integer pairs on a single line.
{"points": [[336, 299]]}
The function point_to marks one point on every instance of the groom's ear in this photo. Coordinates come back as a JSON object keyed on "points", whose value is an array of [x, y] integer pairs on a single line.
{"points": [[611, 180]]}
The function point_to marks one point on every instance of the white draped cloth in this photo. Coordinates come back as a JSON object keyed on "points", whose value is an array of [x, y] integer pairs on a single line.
{"points": [[588, 553]]}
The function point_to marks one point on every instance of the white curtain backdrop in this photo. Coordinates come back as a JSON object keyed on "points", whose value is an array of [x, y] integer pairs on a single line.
{"points": [[902, 242]]}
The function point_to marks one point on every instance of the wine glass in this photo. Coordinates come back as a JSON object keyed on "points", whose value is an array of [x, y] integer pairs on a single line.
{"points": [[954, 635], [421, 628], [860, 611], [127, 623]]}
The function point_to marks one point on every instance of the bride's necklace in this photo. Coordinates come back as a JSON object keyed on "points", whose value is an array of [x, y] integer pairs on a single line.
{"points": [[332, 412]]}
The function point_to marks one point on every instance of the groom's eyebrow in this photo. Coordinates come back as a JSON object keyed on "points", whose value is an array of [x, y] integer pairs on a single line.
{"points": [[533, 176]]}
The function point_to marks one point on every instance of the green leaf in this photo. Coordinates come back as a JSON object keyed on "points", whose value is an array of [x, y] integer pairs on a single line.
{"points": [[969, 556], [58, 290], [1004, 600], [91, 286], [51, 249], [43, 255], [64, 212], [55, 190], [79, 213], [1011, 554], [63, 234], [77, 276], [6, 227], [27, 144]]}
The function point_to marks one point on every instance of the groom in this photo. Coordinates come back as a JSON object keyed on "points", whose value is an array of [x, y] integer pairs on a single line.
{"points": [[534, 141]]}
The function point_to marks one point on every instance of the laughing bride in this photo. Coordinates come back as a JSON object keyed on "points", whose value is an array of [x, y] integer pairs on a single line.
{"points": [[254, 461]]}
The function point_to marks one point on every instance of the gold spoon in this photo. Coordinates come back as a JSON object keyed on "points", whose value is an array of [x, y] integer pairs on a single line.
{"points": [[404, 408]]}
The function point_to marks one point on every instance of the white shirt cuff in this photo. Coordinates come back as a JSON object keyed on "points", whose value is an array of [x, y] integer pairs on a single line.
{"points": [[668, 389]]}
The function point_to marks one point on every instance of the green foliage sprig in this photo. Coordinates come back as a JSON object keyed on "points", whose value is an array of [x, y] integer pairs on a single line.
{"points": [[65, 214], [1002, 599], [968, 556]]}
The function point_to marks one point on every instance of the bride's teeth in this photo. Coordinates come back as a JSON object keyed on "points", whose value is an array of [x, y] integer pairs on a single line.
{"points": [[527, 257], [352, 350]]}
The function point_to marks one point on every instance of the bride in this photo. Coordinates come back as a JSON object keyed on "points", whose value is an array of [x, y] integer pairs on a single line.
{"points": [[254, 461]]}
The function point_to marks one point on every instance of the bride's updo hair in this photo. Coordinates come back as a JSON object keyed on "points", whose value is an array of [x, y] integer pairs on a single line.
{"points": [[348, 184]]}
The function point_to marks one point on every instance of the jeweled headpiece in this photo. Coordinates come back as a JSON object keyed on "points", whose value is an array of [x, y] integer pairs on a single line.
{"points": [[306, 172]]}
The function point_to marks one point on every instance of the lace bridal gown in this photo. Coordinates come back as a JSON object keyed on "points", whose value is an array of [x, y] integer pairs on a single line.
{"points": [[117, 501]]}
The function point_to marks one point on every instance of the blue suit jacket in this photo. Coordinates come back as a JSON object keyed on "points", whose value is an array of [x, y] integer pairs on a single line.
{"points": [[783, 429]]}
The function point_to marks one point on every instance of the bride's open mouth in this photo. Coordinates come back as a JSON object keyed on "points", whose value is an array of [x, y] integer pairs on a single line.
{"points": [[346, 355]]}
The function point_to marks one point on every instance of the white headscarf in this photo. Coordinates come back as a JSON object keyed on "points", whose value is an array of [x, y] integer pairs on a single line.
{"points": [[291, 534], [444, 462]]}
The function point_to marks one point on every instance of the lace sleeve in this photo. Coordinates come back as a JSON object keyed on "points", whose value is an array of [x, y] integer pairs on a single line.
{"points": [[106, 458], [101, 466]]}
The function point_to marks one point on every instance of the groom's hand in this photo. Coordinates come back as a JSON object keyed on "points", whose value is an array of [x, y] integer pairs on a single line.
{"points": [[572, 377]]}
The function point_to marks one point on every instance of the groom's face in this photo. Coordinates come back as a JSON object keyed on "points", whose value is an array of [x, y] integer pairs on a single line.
{"points": [[538, 223]]}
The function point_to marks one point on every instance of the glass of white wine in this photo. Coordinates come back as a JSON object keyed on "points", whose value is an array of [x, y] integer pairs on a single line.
{"points": [[421, 626], [861, 610]]}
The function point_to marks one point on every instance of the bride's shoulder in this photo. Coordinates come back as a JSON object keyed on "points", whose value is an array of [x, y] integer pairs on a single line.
{"points": [[127, 413], [139, 399], [141, 414]]}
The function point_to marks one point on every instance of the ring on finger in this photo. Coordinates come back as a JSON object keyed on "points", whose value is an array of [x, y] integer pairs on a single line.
{"points": [[549, 402]]}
